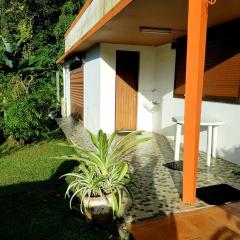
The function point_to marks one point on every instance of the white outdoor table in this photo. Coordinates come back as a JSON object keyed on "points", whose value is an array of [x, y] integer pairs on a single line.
{"points": [[212, 126]]}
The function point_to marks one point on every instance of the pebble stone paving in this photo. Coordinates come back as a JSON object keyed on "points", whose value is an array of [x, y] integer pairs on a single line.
{"points": [[158, 188]]}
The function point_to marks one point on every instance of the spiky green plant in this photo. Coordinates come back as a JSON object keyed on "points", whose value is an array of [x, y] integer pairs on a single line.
{"points": [[103, 171]]}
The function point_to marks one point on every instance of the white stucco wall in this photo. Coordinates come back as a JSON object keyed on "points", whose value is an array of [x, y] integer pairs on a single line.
{"points": [[66, 91], [91, 89], [157, 72], [229, 134], [164, 84], [108, 77]]}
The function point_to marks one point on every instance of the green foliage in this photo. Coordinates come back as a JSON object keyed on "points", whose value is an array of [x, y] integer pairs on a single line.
{"points": [[16, 20], [103, 171], [27, 95], [13, 59], [68, 13], [25, 117], [25, 110], [31, 39]]}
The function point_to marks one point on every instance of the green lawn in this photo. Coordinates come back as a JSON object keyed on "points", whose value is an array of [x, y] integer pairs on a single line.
{"points": [[32, 204]]}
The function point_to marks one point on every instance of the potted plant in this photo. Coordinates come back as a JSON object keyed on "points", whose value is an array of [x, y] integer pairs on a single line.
{"points": [[103, 176]]}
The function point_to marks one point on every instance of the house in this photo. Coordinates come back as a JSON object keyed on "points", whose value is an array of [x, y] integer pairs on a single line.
{"points": [[125, 64]]}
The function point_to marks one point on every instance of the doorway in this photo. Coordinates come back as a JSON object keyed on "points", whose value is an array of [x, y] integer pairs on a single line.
{"points": [[127, 70]]}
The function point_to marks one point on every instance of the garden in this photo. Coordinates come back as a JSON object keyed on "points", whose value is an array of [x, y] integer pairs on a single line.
{"points": [[48, 188]]}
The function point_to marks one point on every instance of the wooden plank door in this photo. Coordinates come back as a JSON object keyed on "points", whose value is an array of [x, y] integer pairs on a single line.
{"points": [[77, 92], [127, 68]]}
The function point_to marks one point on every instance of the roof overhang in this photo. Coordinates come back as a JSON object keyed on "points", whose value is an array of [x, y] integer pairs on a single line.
{"points": [[122, 24]]}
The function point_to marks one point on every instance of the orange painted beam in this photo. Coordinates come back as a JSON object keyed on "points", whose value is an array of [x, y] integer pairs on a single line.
{"points": [[196, 47]]}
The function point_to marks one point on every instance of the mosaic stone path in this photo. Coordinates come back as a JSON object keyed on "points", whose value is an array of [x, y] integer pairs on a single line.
{"points": [[158, 191]]}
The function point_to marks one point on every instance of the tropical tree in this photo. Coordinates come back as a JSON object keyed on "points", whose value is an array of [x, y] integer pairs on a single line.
{"points": [[31, 39]]}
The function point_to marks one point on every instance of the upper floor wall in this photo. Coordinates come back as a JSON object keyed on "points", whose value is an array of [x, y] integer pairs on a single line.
{"points": [[86, 20]]}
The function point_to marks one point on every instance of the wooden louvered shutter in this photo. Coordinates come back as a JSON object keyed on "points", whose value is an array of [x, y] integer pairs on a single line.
{"points": [[77, 92], [180, 69], [222, 67]]}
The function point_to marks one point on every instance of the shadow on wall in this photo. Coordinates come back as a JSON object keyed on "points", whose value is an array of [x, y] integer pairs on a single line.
{"points": [[93, 53], [170, 131], [37, 210], [223, 153], [232, 153]]}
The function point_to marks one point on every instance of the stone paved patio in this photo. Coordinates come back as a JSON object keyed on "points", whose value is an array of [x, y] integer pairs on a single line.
{"points": [[158, 191]]}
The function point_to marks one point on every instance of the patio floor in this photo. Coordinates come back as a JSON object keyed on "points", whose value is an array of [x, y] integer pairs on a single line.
{"points": [[158, 191]]}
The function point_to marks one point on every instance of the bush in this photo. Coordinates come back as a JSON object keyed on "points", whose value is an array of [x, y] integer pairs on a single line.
{"points": [[25, 117], [26, 113], [31, 39]]}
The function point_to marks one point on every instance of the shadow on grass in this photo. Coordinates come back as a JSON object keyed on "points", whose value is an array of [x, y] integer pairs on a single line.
{"points": [[56, 134], [37, 210]]}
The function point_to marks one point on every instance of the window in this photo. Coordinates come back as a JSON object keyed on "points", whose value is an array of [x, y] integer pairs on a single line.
{"points": [[222, 64]]}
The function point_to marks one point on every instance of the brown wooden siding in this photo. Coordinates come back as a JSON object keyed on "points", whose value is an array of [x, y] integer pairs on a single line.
{"points": [[77, 93], [222, 65], [127, 64]]}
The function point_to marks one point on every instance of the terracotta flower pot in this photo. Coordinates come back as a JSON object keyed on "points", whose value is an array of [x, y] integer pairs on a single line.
{"points": [[98, 210]]}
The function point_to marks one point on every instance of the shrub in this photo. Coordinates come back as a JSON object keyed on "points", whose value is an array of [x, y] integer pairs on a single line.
{"points": [[103, 171], [25, 112], [25, 117]]}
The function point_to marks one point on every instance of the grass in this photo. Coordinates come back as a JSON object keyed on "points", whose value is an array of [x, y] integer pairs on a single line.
{"points": [[32, 204]]}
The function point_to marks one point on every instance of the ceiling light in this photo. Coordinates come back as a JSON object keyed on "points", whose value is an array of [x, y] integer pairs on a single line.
{"points": [[155, 30]]}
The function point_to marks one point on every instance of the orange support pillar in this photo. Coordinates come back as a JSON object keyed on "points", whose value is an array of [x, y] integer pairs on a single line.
{"points": [[196, 46]]}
